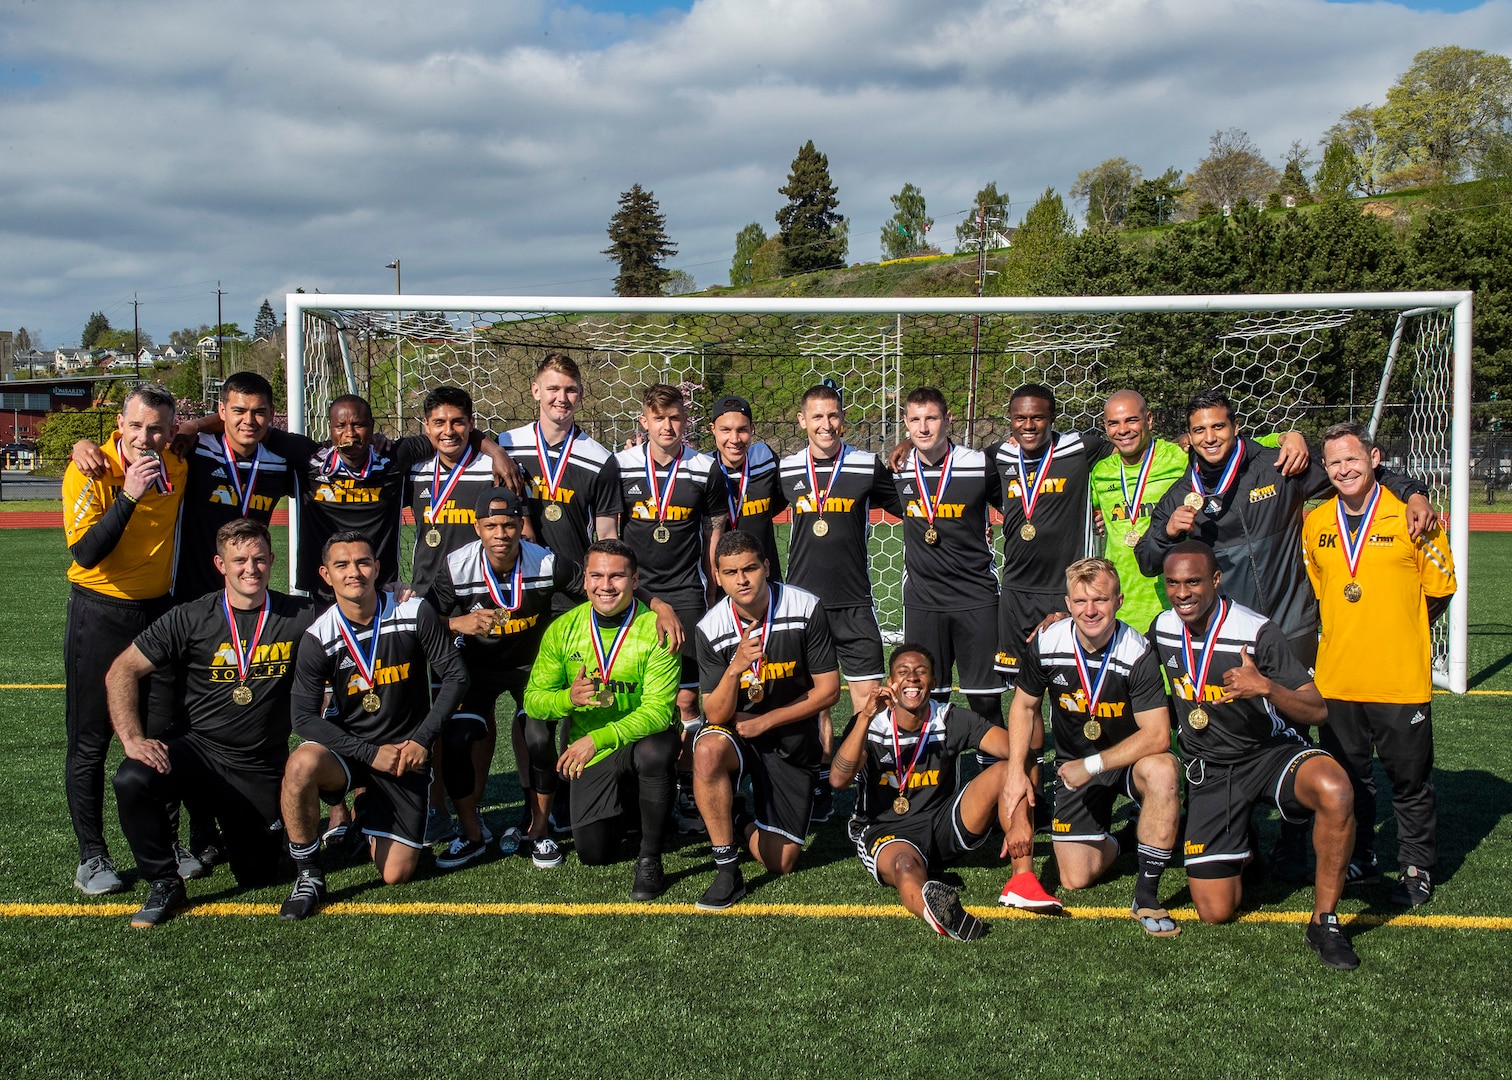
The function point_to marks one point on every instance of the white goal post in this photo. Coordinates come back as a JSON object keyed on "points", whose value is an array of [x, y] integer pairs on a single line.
{"points": [[1282, 358]]}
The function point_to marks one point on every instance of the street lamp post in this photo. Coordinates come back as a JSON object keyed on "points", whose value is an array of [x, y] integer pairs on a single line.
{"points": [[394, 266]]}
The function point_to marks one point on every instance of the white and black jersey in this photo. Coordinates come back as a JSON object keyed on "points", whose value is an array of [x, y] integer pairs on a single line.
{"points": [[1062, 514], [461, 587], [193, 641], [1235, 729], [671, 571], [411, 637], [211, 500], [453, 517], [956, 571], [762, 501], [948, 733], [798, 647], [1133, 685], [834, 567], [587, 487]]}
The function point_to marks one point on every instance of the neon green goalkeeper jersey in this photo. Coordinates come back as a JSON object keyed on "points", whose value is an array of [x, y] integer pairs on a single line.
{"points": [[643, 676]]}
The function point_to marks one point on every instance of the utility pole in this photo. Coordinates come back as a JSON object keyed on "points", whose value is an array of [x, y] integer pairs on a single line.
{"points": [[398, 348], [136, 335], [976, 326], [220, 350]]}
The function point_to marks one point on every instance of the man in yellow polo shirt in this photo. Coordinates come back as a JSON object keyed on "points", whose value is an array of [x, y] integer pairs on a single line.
{"points": [[121, 530], [1378, 591]]}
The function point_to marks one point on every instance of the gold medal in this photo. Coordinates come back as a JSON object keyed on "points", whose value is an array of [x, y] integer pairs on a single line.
{"points": [[370, 702], [433, 538], [900, 805], [1198, 718], [1092, 730], [553, 511], [1131, 538], [661, 534], [756, 691], [1353, 592], [242, 695], [821, 527], [931, 537], [1027, 531], [604, 698], [1193, 501]]}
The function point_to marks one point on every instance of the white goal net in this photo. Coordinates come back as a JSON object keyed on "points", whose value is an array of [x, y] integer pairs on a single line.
{"points": [[1398, 361]]}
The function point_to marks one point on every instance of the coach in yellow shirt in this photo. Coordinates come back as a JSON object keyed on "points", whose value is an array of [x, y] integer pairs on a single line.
{"points": [[1378, 590], [121, 531]]}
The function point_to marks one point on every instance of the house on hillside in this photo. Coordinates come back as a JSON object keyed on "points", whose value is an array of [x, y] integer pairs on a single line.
{"points": [[66, 361]]}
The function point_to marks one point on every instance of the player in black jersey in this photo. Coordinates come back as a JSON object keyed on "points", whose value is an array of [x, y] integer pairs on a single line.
{"points": [[949, 589], [912, 817], [754, 496], [232, 653], [1112, 727], [377, 733], [832, 489], [1238, 689], [766, 667]]}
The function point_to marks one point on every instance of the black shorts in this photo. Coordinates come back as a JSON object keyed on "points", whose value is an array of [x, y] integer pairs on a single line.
{"points": [[596, 794], [960, 639], [784, 791], [940, 837], [1085, 813], [858, 643], [688, 615], [485, 685], [1018, 614], [390, 807], [1220, 799]]}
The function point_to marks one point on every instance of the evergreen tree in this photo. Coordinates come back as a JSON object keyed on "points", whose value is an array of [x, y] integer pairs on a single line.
{"points": [[97, 326], [995, 207], [1036, 245], [747, 242], [904, 233], [638, 242], [809, 226], [265, 327], [1340, 171], [1153, 201]]}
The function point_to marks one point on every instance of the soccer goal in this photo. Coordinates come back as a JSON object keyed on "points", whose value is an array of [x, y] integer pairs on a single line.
{"points": [[1399, 362]]}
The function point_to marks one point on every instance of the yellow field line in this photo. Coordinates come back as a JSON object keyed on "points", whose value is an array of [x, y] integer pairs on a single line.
{"points": [[802, 911], [32, 686]]}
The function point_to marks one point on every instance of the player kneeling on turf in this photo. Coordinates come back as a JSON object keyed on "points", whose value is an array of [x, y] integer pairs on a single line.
{"points": [[766, 666], [1112, 725], [910, 822], [372, 651]]}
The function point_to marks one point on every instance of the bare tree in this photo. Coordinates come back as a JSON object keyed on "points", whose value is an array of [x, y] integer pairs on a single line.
{"points": [[1233, 170]]}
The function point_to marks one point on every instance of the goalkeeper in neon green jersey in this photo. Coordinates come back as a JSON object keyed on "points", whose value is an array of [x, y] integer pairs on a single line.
{"points": [[602, 666]]}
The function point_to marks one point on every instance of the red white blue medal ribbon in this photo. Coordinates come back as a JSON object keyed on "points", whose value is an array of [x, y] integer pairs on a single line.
{"points": [[736, 496], [821, 497], [367, 663], [664, 497], [932, 505], [508, 600], [1093, 692], [440, 495], [766, 628], [1354, 546], [898, 770], [336, 465], [1225, 481], [1131, 506], [551, 478], [244, 657], [1195, 674], [233, 475], [606, 660], [1029, 493]]}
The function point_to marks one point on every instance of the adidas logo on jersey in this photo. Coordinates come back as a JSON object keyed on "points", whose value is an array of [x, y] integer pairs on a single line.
{"points": [[219, 473], [908, 489], [1060, 680], [425, 492], [1418, 718], [633, 489], [346, 662], [799, 485], [1171, 662]]}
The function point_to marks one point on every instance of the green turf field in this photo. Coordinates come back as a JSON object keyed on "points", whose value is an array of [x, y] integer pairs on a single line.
{"points": [[833, 984]]}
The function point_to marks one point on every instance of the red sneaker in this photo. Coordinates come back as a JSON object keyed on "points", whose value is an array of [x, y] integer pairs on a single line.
{"points": [[1024, 891]]}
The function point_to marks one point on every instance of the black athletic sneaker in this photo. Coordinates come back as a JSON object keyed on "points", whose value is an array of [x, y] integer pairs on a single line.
{"points": [[1414, 886], [1326, 938], [211, 853], [728, 887], [943, 911], [189, 867], [824, 805], [166, 896], [309, 891], [1363, 869], [461, 852], [650, 882]]}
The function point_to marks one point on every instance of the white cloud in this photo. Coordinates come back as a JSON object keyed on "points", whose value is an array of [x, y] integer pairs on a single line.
{"points": [[158, 146]]}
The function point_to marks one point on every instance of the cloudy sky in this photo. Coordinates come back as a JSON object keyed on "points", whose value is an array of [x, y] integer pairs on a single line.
{"points": [[157, 147]]}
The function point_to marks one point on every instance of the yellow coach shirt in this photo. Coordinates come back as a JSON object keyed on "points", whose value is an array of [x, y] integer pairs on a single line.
{"points": [[1376, 649], [141, 565]]}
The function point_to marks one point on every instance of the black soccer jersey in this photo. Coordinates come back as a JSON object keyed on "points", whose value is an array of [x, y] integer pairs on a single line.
{"points": [[213, 496], [955, 572], [834, 566], [798, 647], [760, 499], [411, 636], [194, 640], [1132, 685], [1238, 728], [444, 511], [462, 586], [671, 570], [1062, 511], [933, 769], [587, 486]]}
